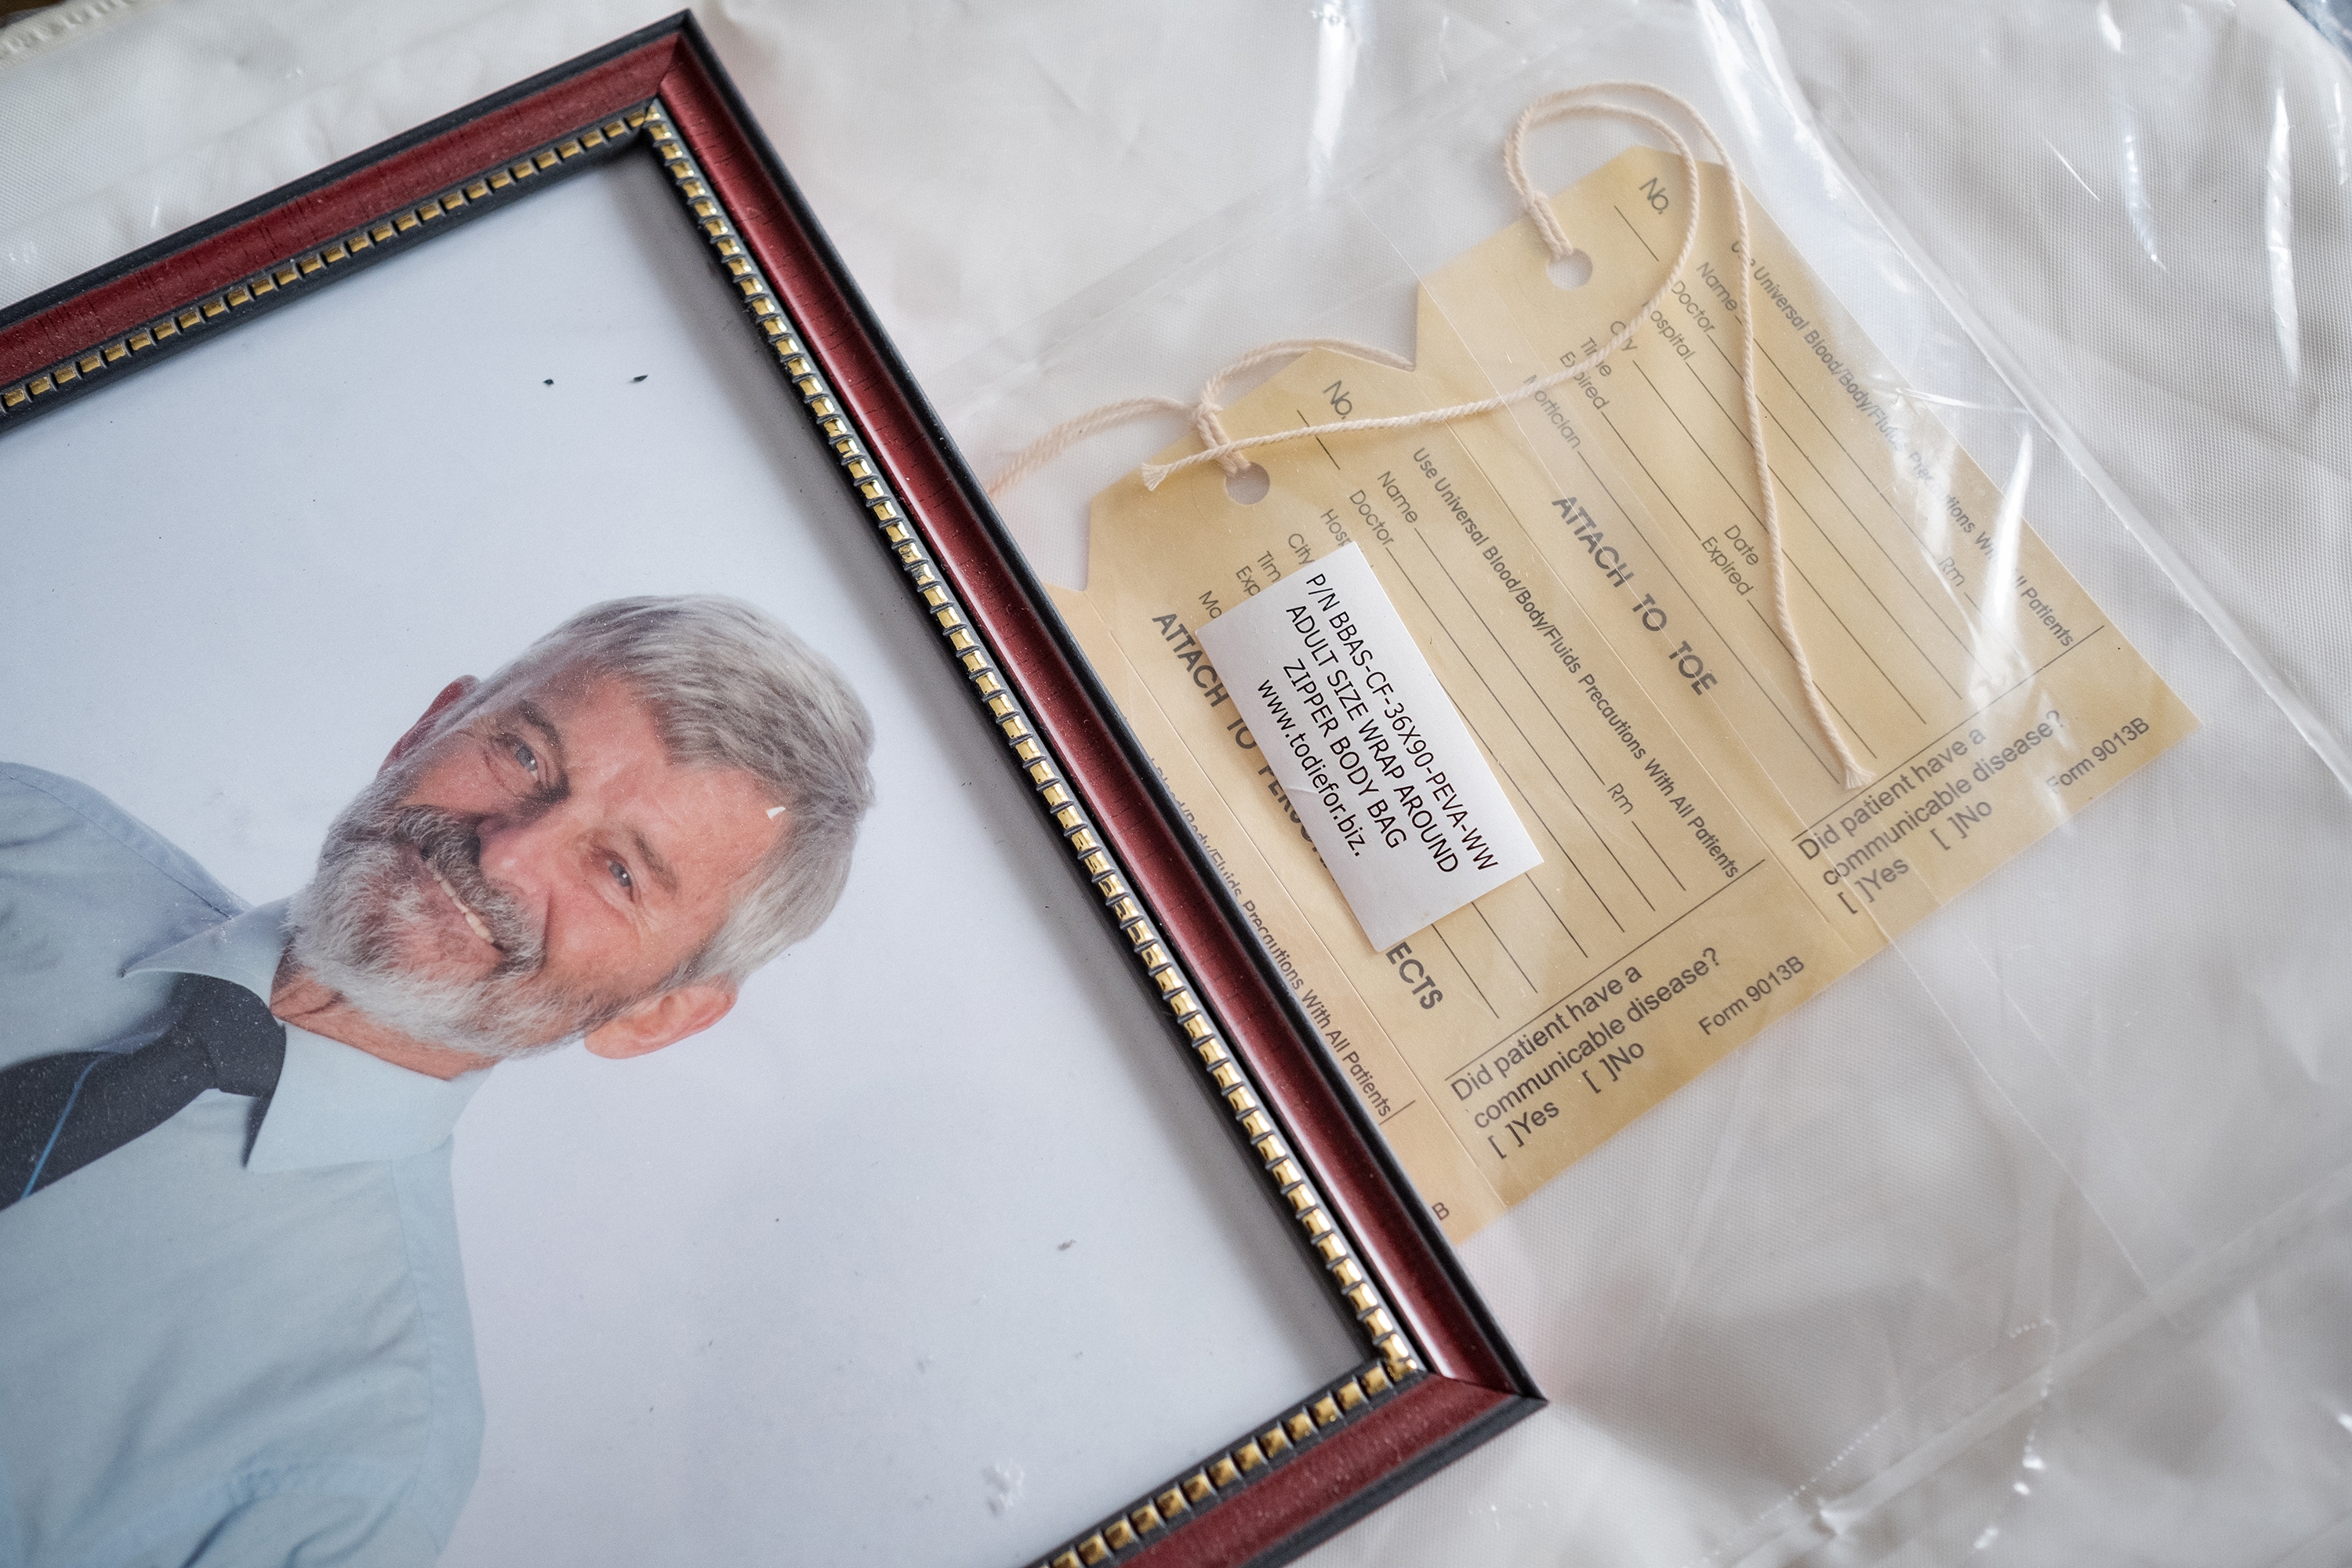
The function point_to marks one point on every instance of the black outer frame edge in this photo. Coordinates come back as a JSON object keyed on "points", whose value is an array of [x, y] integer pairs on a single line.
{"points": [[684, 25], [1523, 1385], [280, 195], [1525, 1398]]}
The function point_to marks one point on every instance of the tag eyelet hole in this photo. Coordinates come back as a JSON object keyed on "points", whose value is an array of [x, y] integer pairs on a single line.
{"points": [[1249, 487], [1573, 271]]}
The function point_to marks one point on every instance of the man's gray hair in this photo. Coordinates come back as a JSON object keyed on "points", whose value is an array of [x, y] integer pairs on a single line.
{"points": [[728, 686]]}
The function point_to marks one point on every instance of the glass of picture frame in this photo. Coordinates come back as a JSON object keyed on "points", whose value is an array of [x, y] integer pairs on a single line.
{"points": [[1017, 1215]]}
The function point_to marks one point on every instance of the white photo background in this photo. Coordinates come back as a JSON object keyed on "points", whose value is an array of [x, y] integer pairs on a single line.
{"points": [[930, 1252]]}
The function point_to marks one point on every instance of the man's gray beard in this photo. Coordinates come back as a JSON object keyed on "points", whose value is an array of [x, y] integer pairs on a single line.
{"points": [[352, 924]]}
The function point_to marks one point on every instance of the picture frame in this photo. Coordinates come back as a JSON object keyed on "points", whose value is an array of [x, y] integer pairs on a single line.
{"points": [[1434, 1376]]}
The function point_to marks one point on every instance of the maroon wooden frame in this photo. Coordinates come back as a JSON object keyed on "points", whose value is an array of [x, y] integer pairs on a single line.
{"points": [[1475, 1386]]}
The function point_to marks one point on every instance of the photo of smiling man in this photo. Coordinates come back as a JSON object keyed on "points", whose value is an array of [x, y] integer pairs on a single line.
{"points": [[236, 1321]]}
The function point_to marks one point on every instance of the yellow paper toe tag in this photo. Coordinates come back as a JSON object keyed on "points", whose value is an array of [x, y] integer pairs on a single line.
{"points": [[1586, 573]]}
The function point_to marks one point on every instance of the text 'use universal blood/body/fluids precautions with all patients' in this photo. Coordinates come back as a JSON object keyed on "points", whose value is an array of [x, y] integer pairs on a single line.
{"points": [[1585, 575]]}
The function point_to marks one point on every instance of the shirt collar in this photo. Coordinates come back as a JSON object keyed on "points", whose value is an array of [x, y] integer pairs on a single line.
{"points": [[335, 1104]]}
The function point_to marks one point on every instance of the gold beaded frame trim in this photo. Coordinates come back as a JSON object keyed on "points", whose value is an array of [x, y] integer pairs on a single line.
{"points": [[298, 274], [1397, 1363], [1394, 1362], [1230, 1469], [1298, 1192]]}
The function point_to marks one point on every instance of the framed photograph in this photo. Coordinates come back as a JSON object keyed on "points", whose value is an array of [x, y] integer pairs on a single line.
{"points": [[518, 550]]}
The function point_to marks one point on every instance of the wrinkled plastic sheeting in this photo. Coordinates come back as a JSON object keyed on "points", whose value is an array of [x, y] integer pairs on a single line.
{"points": [[2025, 1243], [2187, 178]]}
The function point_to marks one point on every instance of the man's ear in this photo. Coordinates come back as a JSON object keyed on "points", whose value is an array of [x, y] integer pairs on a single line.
{"points": [[662, 1020], [451, 695]]}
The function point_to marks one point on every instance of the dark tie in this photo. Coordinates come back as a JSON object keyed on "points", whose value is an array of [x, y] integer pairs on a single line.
{"points": [[58, 1114]]}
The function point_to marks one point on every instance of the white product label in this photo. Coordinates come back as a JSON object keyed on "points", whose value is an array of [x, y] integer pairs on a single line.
{"points": [[1383, 773]]}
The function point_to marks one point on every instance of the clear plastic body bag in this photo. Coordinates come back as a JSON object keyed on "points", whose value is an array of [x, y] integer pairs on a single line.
{"points": [[2028, 1232]]}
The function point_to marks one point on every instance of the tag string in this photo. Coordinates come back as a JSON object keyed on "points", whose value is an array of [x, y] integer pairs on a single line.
{"points": [[1225, 451], [1221, 448]]}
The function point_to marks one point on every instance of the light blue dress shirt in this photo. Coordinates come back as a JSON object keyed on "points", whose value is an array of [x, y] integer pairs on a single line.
{"points": [[219, 1345]]}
